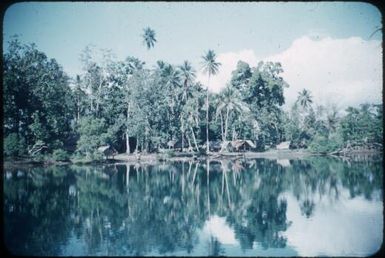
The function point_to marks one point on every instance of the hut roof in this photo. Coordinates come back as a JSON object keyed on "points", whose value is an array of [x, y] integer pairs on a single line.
{"points": [[171, 143], [251, 143], [239, 143], [107, 149], [283, 145], [226, 144], [103, 148]]}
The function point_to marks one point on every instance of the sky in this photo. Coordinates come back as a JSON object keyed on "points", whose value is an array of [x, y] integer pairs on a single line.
{"points": [[325, 47]]}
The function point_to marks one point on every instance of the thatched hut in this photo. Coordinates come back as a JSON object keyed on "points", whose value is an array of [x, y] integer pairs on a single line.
{"points": [[243, 145], [171, 144], [283, 145], [107, 150], [238, 145]]}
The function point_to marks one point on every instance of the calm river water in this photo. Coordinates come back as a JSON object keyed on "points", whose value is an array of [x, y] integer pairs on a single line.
{"points": [[312, 207]]}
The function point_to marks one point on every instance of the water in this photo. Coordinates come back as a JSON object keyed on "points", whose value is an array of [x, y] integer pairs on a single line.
{"points": [[311, 207]]}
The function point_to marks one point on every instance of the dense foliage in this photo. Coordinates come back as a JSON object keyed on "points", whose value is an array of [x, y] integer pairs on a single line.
{"points": [[134, 108]]}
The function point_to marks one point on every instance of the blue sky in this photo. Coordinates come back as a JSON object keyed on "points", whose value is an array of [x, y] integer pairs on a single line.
{"points": [[184, 30]]}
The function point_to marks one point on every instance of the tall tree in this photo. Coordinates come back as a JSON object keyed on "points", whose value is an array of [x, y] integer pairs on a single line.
{"points": [[262, 89], [149, 37], [172, 80], [230, 101], [304, 98], [188, 75], [36, 95], [211, 67], [80, 97]]}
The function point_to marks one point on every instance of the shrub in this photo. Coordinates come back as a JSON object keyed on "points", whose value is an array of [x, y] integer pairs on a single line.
{"points": [[60, 155], [40, 157], [325, 144], [93, 133], [96, 156], [14, 145]]}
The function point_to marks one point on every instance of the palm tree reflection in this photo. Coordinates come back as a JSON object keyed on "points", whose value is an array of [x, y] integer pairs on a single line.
{"points": [[164, 207]]}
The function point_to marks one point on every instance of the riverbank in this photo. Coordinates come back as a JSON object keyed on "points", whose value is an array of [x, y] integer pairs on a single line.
{"points": [[179, 156], [153, 158]]}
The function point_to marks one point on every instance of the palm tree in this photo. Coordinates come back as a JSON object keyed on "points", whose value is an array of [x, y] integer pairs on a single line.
{"points": [[210, 67], [304, 98], [172, 78], [131, 66], [149, 37], [160, 65], [191, 116], [332, 119], [230, 100], [188, 76]]}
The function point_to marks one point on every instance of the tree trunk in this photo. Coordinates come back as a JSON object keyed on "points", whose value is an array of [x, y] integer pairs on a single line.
{"points": [[183, 179], [127, 135], [195, 141], [224, 138], [182, 131], [208, 185], [226, 122], [78, 110], [146, 136], [222, 132], [207, 117], [189, 142], [127, 143], [98, 96]]}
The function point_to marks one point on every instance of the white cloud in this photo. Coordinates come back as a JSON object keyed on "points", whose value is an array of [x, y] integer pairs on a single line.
{"points": [[341, 71]]}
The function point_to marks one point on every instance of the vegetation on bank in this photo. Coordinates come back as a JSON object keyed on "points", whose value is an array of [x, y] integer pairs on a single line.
{"points": [[135, 108]]}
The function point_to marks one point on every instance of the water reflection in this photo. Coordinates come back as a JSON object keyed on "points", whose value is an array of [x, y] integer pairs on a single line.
{"points": [[243, 207]]}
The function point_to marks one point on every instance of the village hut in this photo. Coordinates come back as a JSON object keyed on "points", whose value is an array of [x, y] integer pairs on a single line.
{"points": [[238, 145], [171, 144], [226, 146], [107, 150], [283, 145], [243, 145]]}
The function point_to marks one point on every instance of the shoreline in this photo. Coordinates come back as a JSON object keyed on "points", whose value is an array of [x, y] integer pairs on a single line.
{"points": [[153, 158]]}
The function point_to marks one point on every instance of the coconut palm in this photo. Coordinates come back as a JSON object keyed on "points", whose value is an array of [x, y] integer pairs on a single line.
{"points": [[209, 66], [230, 100], [130, 67], [332, 119], [191, 116], [149, 37], [304, 98], [160, 65], [188, 76], [172, 79]]}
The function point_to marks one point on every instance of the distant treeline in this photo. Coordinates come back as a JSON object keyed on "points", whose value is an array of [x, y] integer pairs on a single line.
{"points": [[133, 107]]}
